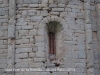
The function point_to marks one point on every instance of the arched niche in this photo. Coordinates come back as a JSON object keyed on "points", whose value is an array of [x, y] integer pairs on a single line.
{"points": [[59, 38]]}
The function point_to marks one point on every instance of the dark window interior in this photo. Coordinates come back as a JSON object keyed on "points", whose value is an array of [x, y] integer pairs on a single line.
{"points": [[52, 44]]}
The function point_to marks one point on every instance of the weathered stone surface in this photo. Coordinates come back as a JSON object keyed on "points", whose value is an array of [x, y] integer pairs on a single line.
{"points": [[39, 60], [27, 27], [34, 65], [21, 65], [22, 41], [44, 1], [40, 54], [87, 6], [36, 18], [1, 33], [31, 55], [3, 65], [31, 42], [23, 50], [32, 1], [34, 5], [57, 9], [82, 55], [11, 31], [39, 39], [23, 55]]}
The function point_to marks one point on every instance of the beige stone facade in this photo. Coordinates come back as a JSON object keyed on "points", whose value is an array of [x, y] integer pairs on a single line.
{"points": [[24, 40]]}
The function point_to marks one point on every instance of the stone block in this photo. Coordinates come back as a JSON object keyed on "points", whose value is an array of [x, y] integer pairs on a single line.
{"points": [[27, 27], [60, 1], [44, 1], [3, 20], [3, 65], [63, 14], [94, 24], [58, 9], [82, 54], [11, 31], [88, 26], [43, 5], [21, 65], [40, 54], [1, 41], [1, 33], [33, 32], [23, 32], [31, 41], [41, 48], [18, 60], [27, 60], [39, 39], [32, 73], [36, 18], [68, 9], [32, 1], [71, 15], [3, 46], [72, 6], [87, 17], [44, 13], [86, 6], [40, 32], [23, 50], [24, 13], [88, 36], [4, 74], [78, 65], [61, 5], [34, 5], [3, 51], [44, 73], [52, 5], [31, 55], [3, 61], [76, 10], [81, 47], [35, 48], [54, 13], [21, 55], [21, 73], [51, 1], [80, 15], [35, 65], [39, 60], [73, 27], [22, 41], [81, 41]]}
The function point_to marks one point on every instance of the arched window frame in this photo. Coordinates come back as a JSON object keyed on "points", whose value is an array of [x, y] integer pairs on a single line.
{"points": [[52, 28]]}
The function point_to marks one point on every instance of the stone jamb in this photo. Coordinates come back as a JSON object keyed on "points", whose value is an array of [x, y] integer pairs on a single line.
{"points": [[88, 33], [11, 36]]}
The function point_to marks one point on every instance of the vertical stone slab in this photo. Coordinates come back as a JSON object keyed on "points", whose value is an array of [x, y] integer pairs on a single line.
{"points": [[10, 57], [88, 30], [11, 26], [98, 28], [11, 36]]}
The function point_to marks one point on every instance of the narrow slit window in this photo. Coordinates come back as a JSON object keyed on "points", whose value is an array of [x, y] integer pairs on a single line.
{"points": [[52, 46]]}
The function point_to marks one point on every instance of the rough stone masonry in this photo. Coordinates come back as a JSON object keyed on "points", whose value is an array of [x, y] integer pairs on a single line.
{"points": [[24, 41]]}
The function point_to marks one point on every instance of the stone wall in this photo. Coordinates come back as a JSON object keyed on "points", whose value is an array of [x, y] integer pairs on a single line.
{"points": [[27, 46], [3, 34], [30, 33]]}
